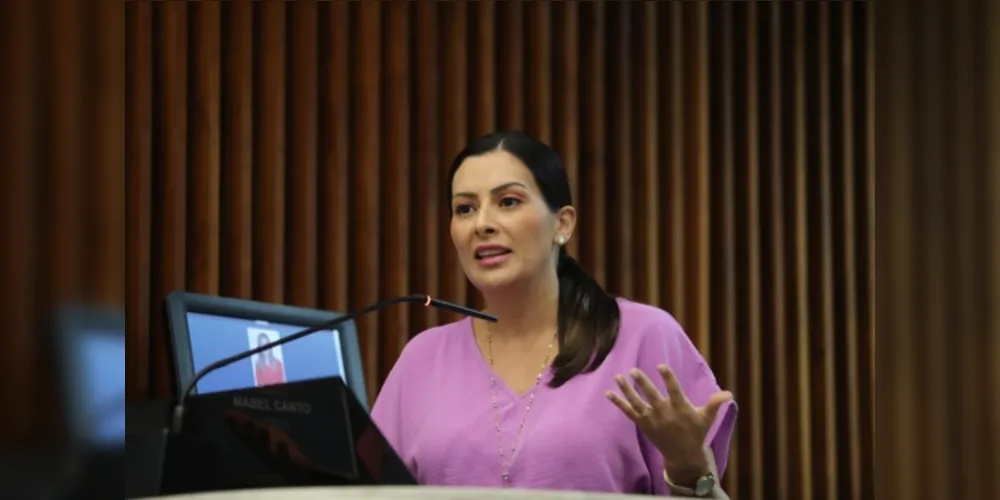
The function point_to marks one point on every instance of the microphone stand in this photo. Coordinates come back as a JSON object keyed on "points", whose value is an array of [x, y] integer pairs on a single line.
{"points": [[178, 414]]}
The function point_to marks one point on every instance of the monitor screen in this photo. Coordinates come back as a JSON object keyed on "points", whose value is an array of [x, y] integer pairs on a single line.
{"points": [[215, 337], [203, 329]]}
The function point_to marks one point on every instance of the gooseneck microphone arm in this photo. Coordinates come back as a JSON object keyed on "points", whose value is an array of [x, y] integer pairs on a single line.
{"points": [[178, 417]]}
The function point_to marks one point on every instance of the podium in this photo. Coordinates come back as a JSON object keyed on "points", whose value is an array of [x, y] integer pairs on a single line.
{"points": [[297, 434]]}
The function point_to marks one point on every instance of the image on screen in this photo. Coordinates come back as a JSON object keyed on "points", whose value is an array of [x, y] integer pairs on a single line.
{"points": [[214, 337], [268, 366]]}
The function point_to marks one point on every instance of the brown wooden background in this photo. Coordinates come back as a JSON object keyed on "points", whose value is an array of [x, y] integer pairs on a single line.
{"points": [[720, 157], [62, 197], [938, 220]]}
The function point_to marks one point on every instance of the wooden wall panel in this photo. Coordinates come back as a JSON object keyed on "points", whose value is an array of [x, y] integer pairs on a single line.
{"points": [[936, 291], [18, 98], [62, 202], [990, 410], [720, 156]]}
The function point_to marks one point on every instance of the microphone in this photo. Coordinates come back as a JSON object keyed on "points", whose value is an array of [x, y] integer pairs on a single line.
{"points": [[427, 300]]}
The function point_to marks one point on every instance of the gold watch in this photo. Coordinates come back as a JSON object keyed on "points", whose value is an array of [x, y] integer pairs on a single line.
{"points": [[702, 487]]}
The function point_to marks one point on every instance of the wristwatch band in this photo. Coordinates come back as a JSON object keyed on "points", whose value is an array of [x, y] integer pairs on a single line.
{"points": [[703, 487]]}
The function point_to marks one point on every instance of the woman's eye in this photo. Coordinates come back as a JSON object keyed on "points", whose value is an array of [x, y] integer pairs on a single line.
{"points": [[509, 202], [463, 209]]}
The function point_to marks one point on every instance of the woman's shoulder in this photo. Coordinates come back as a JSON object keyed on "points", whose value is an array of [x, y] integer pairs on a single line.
{"points": [[646, 327], [639, 319]]}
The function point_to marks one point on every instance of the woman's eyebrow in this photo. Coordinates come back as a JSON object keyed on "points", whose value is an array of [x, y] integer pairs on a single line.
{"points": [[494, 190]]}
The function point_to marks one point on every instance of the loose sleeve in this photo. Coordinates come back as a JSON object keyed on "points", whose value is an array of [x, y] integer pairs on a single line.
{"points": [[666, 342]]}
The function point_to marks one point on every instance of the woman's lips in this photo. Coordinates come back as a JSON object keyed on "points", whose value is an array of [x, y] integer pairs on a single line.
{"points": [[493, 259]]}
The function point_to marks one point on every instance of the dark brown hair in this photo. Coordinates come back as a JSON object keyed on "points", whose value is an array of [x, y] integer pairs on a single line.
{"points": [[588, 316]]}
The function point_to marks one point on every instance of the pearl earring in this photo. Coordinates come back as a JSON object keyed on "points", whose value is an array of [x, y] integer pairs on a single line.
{"points": [[561, 239]]}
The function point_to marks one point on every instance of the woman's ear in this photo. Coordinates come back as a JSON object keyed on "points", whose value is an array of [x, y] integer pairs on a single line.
{"points": [[565, 222]]}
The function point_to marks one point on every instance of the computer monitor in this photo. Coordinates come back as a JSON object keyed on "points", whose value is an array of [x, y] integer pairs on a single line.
{"points": [[91, 349], [205, 328]]}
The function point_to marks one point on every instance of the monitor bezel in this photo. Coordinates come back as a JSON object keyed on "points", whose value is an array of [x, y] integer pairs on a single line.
{"points": [[179, 303]]}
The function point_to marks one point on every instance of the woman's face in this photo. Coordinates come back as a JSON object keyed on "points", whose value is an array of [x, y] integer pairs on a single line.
{"points": [[502, 228]]}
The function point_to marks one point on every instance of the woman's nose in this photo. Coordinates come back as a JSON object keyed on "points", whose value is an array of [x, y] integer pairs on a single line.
{"points": [[484, 223]]}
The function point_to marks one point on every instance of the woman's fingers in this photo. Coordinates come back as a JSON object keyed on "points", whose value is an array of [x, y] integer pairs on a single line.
{"points": [[623, 405], [638, 404], [651, 393], [677, 396]]}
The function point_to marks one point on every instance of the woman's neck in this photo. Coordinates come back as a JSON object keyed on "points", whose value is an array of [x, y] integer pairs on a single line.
{"points": [[525, 312]]}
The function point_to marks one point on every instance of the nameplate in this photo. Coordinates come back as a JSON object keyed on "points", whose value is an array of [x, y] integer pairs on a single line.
{"points": [[272, 405]]}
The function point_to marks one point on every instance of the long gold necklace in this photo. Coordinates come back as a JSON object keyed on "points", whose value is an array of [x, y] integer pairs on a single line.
{"points": [[506, 460]]}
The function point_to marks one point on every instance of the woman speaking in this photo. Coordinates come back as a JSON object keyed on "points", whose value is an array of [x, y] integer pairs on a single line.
{"points": [[572, 389]]}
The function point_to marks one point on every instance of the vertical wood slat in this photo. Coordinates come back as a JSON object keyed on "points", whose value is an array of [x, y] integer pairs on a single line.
{"points": [[539, 42], [827, 407], [238, 162], [512, 56], [485, 120], [993, 194], [752, 291], [849, 242], [397, 155], [931, 414], [106, 220], [365, 170], [269, 155], [699, 209], [594, 200], [618, 179], [800, 269], [865, 100], [971, 215], [677, 172], [302, 194], [649, 231], [203, 270], [19, 220], [892, 207], [138, 199], [901, 391], [63, 66], [332, 148], [109, 110], [779, 298], [170, 148], [334, 203]]}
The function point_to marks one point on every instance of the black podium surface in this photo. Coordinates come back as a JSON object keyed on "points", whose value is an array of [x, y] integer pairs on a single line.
{"points": [[302, 433]]}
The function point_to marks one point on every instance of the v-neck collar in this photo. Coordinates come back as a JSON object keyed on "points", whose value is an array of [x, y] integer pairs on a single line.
{"points": [[474, 351]]}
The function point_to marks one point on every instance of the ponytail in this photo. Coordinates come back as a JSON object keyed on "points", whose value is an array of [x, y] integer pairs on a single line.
{"points": [[588, 321]]}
